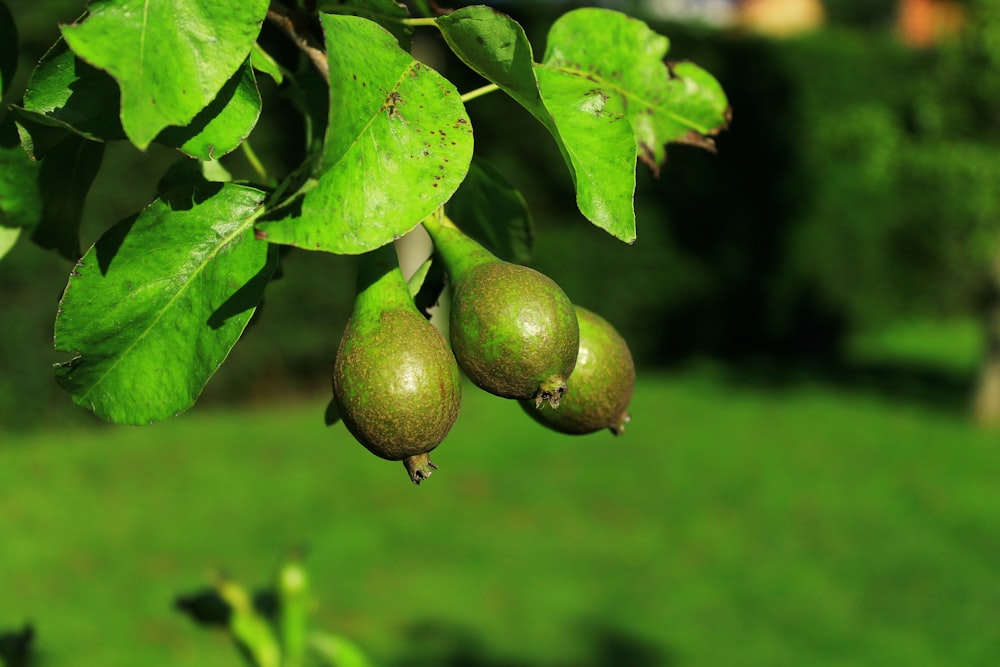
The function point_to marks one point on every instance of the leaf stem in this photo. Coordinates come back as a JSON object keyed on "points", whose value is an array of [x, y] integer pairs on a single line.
{"points": [[255, 163], [420, 22], [479, 92]]}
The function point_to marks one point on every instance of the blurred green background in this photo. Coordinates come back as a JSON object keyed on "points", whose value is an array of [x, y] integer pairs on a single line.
{"points": [[810, 473]]}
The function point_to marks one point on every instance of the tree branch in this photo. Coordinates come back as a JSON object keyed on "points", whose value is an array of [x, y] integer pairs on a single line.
{"points": [[290, 23]]}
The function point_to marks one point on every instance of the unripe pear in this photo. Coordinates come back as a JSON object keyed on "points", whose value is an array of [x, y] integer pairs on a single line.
{"points": [[601, 385], [513, 329], [395, 380]]}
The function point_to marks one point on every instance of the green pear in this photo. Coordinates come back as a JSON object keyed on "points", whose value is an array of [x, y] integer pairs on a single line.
{"points": [[601, 385], [513, 329], [395, 380]]}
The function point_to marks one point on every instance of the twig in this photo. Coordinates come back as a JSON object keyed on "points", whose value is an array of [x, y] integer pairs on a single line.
{"points": [[284, 19]]}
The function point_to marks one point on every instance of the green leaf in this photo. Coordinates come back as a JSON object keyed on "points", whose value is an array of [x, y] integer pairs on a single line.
{"points": [[594, 137], [598, 144], [224, 124], [398, 145], [416, 281], [293, 611], [20, 199], [624, 58], [248, 628], [8, 48], [8, 238], [387, 13], [263, 62], [337, 651], [491, 210], [66, 95], [64, 180], [154, 307], [170, 57]]}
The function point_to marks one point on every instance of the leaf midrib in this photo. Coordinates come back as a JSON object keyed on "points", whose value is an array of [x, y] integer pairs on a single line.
{"points": [[191, 277]]}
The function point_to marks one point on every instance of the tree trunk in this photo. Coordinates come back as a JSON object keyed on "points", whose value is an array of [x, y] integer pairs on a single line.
{"points": [[986, 399]]}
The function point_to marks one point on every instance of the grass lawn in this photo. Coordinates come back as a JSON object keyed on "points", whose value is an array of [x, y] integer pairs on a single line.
{"points": [[729, 526]]}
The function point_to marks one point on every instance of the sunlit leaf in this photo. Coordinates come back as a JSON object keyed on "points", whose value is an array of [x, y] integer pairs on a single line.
{"points": [[593, 135], [8, 238], [154, 307], [263, 62], [336, 651], [387, 13], [398, 145], [224, 124], [170, 57], [624, 58]]}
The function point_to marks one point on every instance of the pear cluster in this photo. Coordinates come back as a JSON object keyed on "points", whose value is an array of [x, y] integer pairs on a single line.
{"points": [[512, 332]]}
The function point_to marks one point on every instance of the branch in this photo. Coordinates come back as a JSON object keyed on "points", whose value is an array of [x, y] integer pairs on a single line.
{"points": [[291, 24]]}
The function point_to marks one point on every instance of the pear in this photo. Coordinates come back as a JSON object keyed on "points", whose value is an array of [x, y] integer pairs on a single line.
{"points": [[396, 384], [601, 385], [513, 329]]}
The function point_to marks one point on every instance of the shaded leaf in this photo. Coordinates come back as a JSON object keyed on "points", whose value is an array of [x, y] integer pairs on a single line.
{"points": [[170, 57], [66, 95], [397, 147], [64, 181], [624, 57], [386, 13], [488, 208], [20, 199], [154, 307], [8, 48], [224, 124], [192, 173], [16, 646]]}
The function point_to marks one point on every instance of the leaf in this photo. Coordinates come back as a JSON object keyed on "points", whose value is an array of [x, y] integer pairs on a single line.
{"points": [[248, 628], [154, 307], [66, 95], [398, 145], [8, 238], [170, 57], [224, 124], [624, 57], [20, 199], [8, 48], [337, 651], [416, 281], [598, 144], [386, 13], [293, 611], [64, 180], [590, 129], [265, 63], [491, 210]]}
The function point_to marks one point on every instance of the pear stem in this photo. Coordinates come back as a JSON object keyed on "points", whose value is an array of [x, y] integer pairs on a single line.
{"points": [[459, 251], [379, 271]]}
